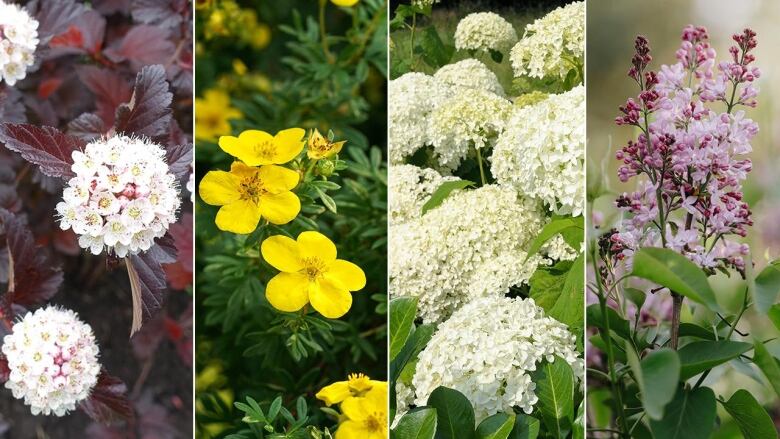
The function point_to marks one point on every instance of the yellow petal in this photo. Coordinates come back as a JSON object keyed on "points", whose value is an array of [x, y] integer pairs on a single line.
{"points": [[278, 179], [289, 144], [256, 147], [241, 170], [316, 245], [344, 2], [349, 275], [356, 409], [334, 393], [351, 430], [230, 145], [280, 208], [330, 299], [282, 253], [288, 292], [238, 217], [219, 188]]}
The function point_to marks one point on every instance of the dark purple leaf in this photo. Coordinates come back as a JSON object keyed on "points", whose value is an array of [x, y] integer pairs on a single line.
{"points": [[146, 341], [87, 127], [11, 106], [108, 401], [54, 16], [110, 89], [164, 13], [179, 158], [5, 372], [46, 147], [148, 113], [32, 278], [108, 7], [143, 45], [9, 199], [147, 285]]}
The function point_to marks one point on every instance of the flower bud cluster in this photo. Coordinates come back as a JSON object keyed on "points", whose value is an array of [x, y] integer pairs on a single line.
{"points": [[18, 41]]}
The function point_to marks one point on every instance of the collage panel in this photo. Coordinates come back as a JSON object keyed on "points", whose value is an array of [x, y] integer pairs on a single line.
{"points": [[683, 207], [486, 263], [95, 219], [291, 240]]}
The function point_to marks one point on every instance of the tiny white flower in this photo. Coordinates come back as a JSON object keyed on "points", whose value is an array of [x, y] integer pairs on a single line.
{"points": [[18, 42], [116, 231]]}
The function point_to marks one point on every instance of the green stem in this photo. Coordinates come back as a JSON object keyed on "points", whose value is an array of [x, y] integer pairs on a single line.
{"points": [[481, 171], [323, 33], [411, 39]]}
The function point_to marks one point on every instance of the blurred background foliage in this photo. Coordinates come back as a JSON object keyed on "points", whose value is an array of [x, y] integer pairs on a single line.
{"points": [[269, 66]]}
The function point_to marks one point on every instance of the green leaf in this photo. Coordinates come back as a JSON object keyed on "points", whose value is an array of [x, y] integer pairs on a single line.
{"points": [[496, 56], [774, 315], [555, 390], [561, 293], [618, 325], [657, 376], [752, 419], [417, 424], [579, 423], [416, 343], [767, 285], [525, 427], [699, 356], [768, 365], [692, 330], [454, 415], [402, 313], [436, 53], [553, 228], [497, 426], [443, 192], [635, 295], [676, 272], [326, 200], [690, 415]]}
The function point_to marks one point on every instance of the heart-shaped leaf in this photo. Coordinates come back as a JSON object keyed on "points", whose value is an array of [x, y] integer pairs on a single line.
{"points": [[657, 376], [752, 419], [768, 365], [690, 415]]}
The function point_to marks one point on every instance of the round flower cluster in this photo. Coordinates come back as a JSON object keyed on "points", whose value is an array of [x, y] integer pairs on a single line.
{"points": [[53, 359], [122, 197], [557, 249], [413, 97], [486, 351], [551, 43], [18, 41], [541, 153], [485, 31], [468, 118], [472, 245], [410, 188], [470, 73]]}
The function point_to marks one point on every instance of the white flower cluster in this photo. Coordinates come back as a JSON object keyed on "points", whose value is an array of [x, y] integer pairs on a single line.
{"points": [[18, 41], [191, 185], [472, 245], [484, 31], [557, 249], [549, 40], [470, 117], [470, 73], [413, 97], [410, 188], [423, 3], [53, 359], [486, 351], [122, 197], [541, 152]]}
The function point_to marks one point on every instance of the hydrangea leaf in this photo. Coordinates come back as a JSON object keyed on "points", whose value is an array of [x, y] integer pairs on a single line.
{"points": [[555, 390], [402, 314], [454, 415], [443, 191], [752, 419], [47, 147], [553, 228], [525, 427], [417, 424], [559, 291], [690, 415], [107, 402], [497, 426]]}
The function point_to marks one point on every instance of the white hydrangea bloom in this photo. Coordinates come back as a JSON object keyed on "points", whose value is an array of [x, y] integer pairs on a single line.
{"points": [[412, 98], [542, 151], [547, 41], [470, 73], [557, 249], [410, 188], [53, 359], [404, 398], [468, 118], [486, 351], [18, 41], [472, 245], [122, 197], [485, 31]]}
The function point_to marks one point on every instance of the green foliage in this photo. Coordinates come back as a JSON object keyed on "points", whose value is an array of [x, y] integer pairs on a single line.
{"points": [[454, 415], [657, 376], [752, 419], [700, 356], [690, 415], [443, 191], [555, 389], [498, 426], [417, 424]]}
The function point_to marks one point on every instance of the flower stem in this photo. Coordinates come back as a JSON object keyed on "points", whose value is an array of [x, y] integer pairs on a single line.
{"points": [[323, 33], [481, 171], [411, 39], [677, 301]]}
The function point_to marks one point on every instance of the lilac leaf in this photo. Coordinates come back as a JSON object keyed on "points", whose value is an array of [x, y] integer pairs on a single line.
{"points": [[46, 147]]}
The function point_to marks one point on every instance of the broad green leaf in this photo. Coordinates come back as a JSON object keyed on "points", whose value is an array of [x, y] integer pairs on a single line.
{"points": [[617, 324], [767, 285], [416, 343], [443, 191], [690, 415], [635, 295], [417, 424], [676, 272], [402, 313], [555, 390], [753, 420], [657, 376], [692, 330], [561, 293], [553, 228], [774, 315], [497, 426], [454, 415], [699, 356], [436, 53], [525, 427], [768, 365]]}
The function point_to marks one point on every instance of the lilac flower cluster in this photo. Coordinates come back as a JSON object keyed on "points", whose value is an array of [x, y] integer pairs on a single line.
{"points": [[693, 157]]}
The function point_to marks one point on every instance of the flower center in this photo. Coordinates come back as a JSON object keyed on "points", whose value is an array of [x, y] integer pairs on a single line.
{"points": [[104, 203], [265, 149], [252, 188], [134, 212], [116, 227], [376, 422], [358, 384], [313, 268]]}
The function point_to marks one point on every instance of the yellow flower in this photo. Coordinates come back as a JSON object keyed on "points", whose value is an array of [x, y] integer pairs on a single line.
{"points": [[255, 147], [246, 194], [345, 2], [366, 418], [310, 273], [212, 115], [356, 386], [320, 147]]}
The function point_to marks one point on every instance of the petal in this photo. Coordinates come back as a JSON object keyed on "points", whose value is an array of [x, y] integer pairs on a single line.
{"points": [[250, 141], [238, 217], [230, 145], [282, 253], [289, 144], [316, 245], [241, 170], [330, 299], [219, 188], [334, 393], [349, 275], [351, 430], [278, 179], [355, 409], [280, 208], [288, 292]]}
